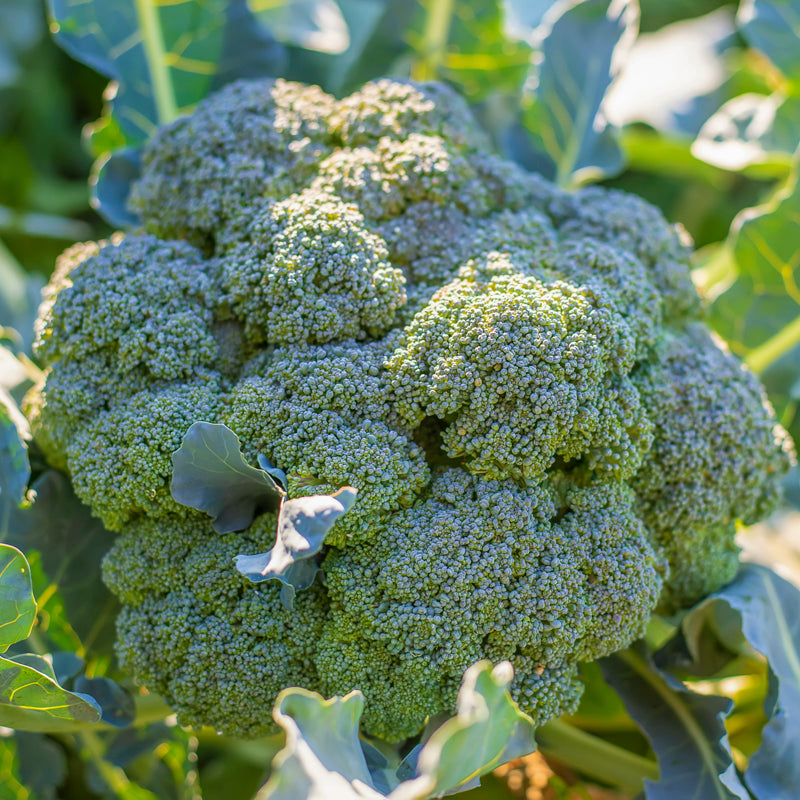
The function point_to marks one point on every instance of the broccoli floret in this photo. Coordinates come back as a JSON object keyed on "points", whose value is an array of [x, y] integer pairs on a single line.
{"points": [[311, 272], [546, 443], [482, 568], [252, 140], [716, 452]]}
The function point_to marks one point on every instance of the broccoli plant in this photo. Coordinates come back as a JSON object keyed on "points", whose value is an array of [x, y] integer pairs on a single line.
{"points": [[401, 452], [547, 443]]}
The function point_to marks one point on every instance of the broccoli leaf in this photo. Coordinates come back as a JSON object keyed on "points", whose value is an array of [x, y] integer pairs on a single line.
{"points": [[211, 475], [14, 467], [30, 697], [774, 29], [303, 524], [563, 132], [163, 58], [766, 609], [323, 756], [758, 314], [71, 543], [685, 729], [752, 132]]}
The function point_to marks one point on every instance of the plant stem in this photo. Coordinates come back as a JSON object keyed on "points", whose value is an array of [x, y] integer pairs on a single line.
{"points": [[153, 41], [595, 757], [434, 40]]}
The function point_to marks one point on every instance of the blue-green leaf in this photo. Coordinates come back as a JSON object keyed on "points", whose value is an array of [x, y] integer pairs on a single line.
{"points": [[564, 133], [30, 697], [71, 543], [324, 758], [116, 704], [773, 27], [303, 524], [754, 132], [211, 475], [163, 59], [766, 609], [17, 605], [758, 314], [14, 467], [686, 730], [110, 183], [488, 730]]}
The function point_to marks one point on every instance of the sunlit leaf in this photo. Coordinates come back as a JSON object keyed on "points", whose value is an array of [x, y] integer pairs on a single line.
{"points": [[759, 313], [303, 524], [30, 697], [686, 730], [564, 133], [752, 132]]}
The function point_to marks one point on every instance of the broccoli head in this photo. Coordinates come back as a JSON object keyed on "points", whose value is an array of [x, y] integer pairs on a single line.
{"points": [[548, 444]]}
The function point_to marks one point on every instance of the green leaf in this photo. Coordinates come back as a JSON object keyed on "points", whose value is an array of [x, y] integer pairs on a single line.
{"points": [[686, 730], [30, 697], [14, 467], [311, 24], [323, 756], [488, 730], [468, 48], [211, 475], [754, 133], [758, 314], [163, 59], [17, 605], [303, 524], [564, 133], [72, 544], [764, 609], [42, 764], [773, 27], [116, 704]]}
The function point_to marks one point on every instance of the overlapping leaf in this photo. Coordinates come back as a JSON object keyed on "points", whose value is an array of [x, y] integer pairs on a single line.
{"points": [[323, 756], [30, 697], [211, 475], [564, 133], [764, 609], [773, 27], [685, 729], [759, 313]]}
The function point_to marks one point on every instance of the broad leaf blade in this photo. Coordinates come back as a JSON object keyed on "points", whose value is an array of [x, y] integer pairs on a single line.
{"points": [[752, 132], [564, 133], [72, 544], [30, 697], [303, 524], [17, 604], [163, 59], [211, 475], [14, 467], [773, 27], [767, 610], [488, 730], [759, 313], [322, 758], [686, 730]]}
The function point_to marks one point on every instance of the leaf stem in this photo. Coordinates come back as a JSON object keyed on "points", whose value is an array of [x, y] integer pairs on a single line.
{"points": [[153, 40], [595, 757], [434, 40], [764, 356]]}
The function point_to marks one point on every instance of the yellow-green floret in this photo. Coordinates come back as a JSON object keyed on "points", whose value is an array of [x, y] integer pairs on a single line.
{"points": [[546, 443]]}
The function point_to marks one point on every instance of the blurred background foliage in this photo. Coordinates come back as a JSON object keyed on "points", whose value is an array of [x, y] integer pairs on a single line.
{"points": [[696, 108]]}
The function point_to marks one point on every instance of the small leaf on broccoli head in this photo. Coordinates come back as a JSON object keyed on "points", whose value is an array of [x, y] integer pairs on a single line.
{"points": [[211, 475], [303, 524]]}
